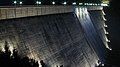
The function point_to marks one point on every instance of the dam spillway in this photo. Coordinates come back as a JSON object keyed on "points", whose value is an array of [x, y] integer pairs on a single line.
{"points": [[72, 37]]}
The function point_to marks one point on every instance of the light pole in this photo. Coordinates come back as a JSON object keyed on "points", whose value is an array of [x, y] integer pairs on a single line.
{"points": [[38, 2], [64, 3], [74, 3], [15, 2], [20, 2], [53, 2]]}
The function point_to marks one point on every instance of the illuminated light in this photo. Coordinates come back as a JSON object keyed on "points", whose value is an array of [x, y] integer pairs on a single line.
{"points": [[104, 30], [104, 4], [74, 3], [104, 18], [85, 4], [53, 3], [39, 63], [15, 2], [97, 63], [3, 49], [21, 2], [103, 65], [34, 56], [106, 44], [65, 3], [99, 4], [106, 33], [103, 12], [80, 3], [77, 12], [110, 49], [90, 4], [108, 40], [105, 25], [95, 4], [11, 50], [39, 2]]}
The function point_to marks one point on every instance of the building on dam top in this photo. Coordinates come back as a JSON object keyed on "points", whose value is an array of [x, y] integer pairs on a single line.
{"points": [[60, 35]]}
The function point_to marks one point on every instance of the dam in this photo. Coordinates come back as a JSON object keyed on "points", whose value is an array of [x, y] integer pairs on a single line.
{"points": [[60, 35]]}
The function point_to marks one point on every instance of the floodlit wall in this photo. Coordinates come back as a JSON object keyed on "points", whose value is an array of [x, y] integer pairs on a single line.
{"points": [[99, 22], [93, 24], [26, 11], [57, 39], [70, 39]]}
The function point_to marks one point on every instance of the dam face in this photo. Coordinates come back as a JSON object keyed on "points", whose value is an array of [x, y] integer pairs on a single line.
{"points": [[73, 38]]}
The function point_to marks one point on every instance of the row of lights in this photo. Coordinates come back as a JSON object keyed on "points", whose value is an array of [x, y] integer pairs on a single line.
{"points": [[15, 2], [64, 3], [100, 64], [105, 30]]}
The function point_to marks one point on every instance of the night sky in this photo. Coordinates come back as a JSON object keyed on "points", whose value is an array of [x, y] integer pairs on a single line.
{"points": [[113, 22], [32, 2]]}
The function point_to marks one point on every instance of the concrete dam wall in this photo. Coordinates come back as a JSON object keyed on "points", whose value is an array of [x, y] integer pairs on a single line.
{"points": [[10, 12], [26, 11], [71, 39]]}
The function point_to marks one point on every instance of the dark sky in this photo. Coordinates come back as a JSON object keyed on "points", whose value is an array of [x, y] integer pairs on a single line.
{"points": [[113, 16], [113, 22], [31, 2]]}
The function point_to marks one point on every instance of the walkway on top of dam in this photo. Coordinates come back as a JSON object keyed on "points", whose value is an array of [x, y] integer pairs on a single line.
{"points": [[9, 12]]}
